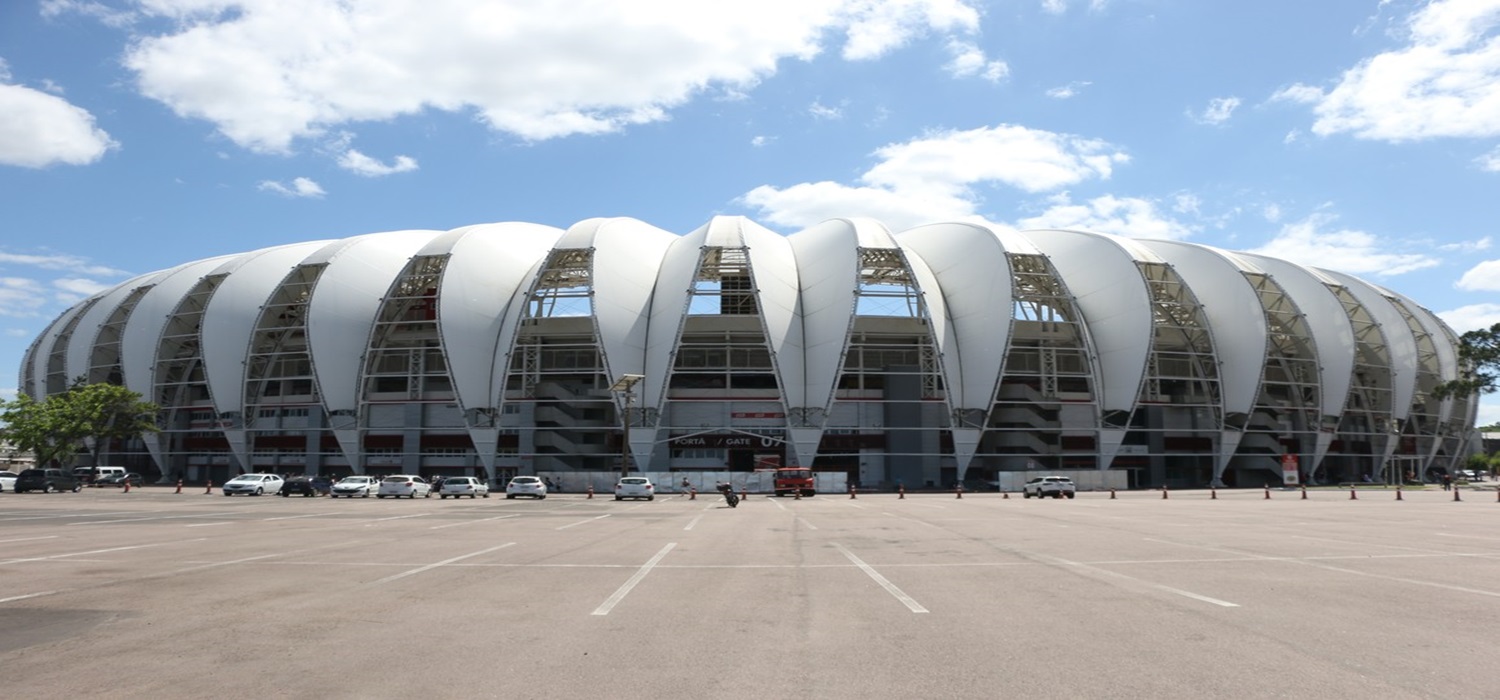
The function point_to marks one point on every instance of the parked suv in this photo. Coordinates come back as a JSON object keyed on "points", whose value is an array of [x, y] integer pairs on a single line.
{"points": [[46, 481], [1054, 486]]}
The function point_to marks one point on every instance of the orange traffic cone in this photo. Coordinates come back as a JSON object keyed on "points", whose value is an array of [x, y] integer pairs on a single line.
{"points": [[210, 489], [1304, 492], [958, 490], [693, 494], [1353, 495], [852, 491], [1213, 494], [1111, 493], [591, 491], [1163, 492], [1268, 493], [901, 492], [1398, 493], [1455, 494], [179, 486], [127, 484]]}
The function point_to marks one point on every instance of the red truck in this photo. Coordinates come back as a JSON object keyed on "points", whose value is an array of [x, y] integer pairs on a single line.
{"points": [[789, 481]]}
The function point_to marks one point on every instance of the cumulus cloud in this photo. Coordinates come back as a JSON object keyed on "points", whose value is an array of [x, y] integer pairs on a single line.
{"points": [[1484, 277], [933, 177], [822, 111], [1472, 317], [1218, 110], [300, 187], [38, 129], [361, 164], [266, 74], [969, 61], [1068, 91], [20, 297], [58, 261], [1489, 162], [1445, 82], [1122, 216], [1315, 242]]}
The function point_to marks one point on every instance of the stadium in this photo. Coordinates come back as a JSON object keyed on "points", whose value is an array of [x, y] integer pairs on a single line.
{"points": [[943, 354]]}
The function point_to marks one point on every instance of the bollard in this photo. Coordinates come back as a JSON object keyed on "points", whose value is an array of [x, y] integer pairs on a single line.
{"points": [[1353, 495], [1304, 492], [852, 490], [210, 490], [591, 492], [179, 486]]}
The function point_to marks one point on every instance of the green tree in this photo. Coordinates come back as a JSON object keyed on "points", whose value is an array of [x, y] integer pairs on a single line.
{"points": [[1479, 363], [86, 416]]}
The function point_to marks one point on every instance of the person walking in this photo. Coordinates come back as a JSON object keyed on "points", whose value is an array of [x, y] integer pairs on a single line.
{"points": [[685, 485]]}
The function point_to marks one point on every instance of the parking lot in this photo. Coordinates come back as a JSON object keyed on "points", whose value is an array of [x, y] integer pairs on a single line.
{"points": [[165, 595]]}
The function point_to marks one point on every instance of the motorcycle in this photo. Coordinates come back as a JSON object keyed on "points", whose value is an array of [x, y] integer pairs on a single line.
{"points": [[730, 497]]}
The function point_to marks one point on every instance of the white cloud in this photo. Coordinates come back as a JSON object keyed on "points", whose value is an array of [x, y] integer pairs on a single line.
{"points": [[1299, 93], [1068, 91], [1483, 277], [20, 297], [1466, 246], [1489, 162], [932, 178], [56, 261], [300, 187], [1311, 242], [269, 73], [762, 141], [361, 164], [1186, 203], [1444, 83], [78, 288], [1122, 216], [1271, 212], [822, 111], [969, 61], [1054, 7], [1472, 317], [38, 130], [1218, 111]]}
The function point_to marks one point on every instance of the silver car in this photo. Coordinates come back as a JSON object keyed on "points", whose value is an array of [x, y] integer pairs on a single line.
{"points": [[408, 485], [253, 484], [457, 486], [351, 486], [526, 486]]}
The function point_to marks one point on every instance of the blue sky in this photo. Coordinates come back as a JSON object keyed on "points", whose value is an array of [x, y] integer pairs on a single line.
{"points": [[1357, 135]]}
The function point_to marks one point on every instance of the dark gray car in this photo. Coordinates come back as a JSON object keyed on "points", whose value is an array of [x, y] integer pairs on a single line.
{"points": [[47, 481]]}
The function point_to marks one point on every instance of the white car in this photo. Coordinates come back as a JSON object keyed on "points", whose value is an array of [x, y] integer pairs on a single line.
{"points": [[1054, 486], [526, 486], [457, 486], [7, 481], [635, 487], [253, 484], [351, 486], [408, 485]]}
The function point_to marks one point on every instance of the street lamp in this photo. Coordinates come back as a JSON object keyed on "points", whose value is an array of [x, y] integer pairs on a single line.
{"points": [[625, 385]]}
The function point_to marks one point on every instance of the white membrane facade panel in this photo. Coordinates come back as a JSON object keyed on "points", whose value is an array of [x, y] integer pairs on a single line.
{"points": [[1446, 352], [81, 345], [344, 303], [45, 348], [828, 271], [142, 337], [1236, 319], [1333, 335], [1399, 343], [1116, 307], [972, 270], [487, 266], [628, 257], [230, 317], [773, 266], [669, 305]]}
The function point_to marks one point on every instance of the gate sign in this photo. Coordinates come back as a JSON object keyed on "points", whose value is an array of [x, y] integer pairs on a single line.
{"points": [[1289, 470]]}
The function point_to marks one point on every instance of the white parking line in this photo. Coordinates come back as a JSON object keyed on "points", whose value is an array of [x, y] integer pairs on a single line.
{"points": [[68, 515], [776, 502], [163, 517], [96, 551], [309, 515], [624, 590], [885, 583], [444, 562], [27, 539], [1143, 582], [597, 517], [471, 522], [809, 525], [221, 522], [695, 521], [399, 517], [28, 595]]}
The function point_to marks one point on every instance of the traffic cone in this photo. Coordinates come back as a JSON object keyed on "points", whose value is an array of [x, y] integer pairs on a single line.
{"points": [[1005, 495], [1455, 494], [852, 490], [1268, 493], [693, 494], [1111, 493], [1353, 495], [798, 495], [1163, 492], [179, 486], [1213, 494], [210, 490], [591, 491], [1304, 492], [901, 492], [744, 495], [1398, 493], [958, 490], [127, 485]]}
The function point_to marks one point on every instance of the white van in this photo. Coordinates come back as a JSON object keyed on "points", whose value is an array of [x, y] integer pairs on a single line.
{"points": [[89, 475]]}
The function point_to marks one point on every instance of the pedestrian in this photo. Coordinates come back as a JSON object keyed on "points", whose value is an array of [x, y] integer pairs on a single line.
{"points": [[685, 485], [1447, 482]]}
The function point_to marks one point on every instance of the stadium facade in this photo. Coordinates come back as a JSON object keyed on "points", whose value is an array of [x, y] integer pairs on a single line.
{"points": [[945, 352]]}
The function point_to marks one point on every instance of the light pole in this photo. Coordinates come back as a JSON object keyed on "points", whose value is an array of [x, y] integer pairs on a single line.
{"points": [[625, 385]]}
